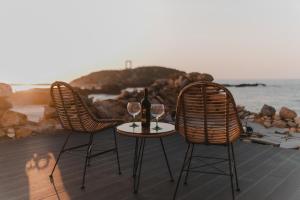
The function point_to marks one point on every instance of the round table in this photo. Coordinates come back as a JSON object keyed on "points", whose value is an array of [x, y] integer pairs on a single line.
{"points": [[141, 134]]}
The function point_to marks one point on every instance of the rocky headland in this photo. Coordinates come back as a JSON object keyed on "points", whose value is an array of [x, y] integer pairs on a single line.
{"points": [[114, 81]]}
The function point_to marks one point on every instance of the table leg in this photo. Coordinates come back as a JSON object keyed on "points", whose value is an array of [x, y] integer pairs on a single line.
{"points": [[138, 167], [135, 156], [166, 158]]}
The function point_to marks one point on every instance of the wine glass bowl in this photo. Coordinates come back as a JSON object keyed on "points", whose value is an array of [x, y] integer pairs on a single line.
{"points": [[134, 108], [157, 110]]}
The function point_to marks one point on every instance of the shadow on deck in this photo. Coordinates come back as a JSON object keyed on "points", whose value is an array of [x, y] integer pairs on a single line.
{"points": [[265, 172]]}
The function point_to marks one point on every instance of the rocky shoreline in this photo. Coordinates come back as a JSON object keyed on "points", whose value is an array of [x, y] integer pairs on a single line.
{"points": [[166, 90]]}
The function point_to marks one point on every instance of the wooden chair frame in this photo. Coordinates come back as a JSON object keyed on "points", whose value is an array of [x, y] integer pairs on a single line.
{"points": [[75, 116], [201, 97]]}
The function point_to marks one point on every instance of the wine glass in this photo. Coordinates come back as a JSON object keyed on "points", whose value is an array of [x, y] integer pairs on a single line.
{"points": [[157, 110], [134, 108]]}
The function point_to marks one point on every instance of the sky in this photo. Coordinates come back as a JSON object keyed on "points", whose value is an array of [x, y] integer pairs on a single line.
{"points": [[46, 40]]}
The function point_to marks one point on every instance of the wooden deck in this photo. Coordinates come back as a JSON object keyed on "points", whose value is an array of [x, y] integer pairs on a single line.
{"points": [[265, 172]]}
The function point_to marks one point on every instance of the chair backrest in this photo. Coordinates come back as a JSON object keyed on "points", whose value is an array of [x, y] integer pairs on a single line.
{"points": [[206, 113], [73, 112]]}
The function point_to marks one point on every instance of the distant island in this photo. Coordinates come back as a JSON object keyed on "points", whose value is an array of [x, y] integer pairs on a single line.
{"points": [[246, 85]]}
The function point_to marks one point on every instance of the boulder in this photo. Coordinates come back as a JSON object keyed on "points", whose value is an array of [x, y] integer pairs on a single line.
{"points": [[50, 125], [258, 120], [4, 104], [251, 117], [286, 113], [206, 77], [267, 124], [267, 110], [5, 90], [279, 124], [112, 109], [240, 108], [297, 121], [11, 133], [2, 133], [23, 132], [182, 81], [195, 76], [291, 124], [12, 118], [276, 117]]}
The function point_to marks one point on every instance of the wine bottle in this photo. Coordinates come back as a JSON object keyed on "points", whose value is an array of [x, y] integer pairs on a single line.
{"points": [[146, 106]]}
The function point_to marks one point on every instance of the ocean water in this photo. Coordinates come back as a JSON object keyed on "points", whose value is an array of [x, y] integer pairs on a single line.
{"points": [[20, 87], [277, 93]]}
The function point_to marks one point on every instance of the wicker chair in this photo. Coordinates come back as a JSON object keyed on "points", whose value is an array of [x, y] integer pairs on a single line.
{"points": [[206, 114], [75, 116]]}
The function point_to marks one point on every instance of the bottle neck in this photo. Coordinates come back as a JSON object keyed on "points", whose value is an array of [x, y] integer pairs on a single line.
{"points": [[146, 93]]}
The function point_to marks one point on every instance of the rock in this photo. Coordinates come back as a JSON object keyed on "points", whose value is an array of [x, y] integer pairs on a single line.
{"points": [[179, 82], [12, 118], [286, 113], [111, 89], [297, 121], [291, 124], [267, 110], [267, 124], [240, 108], [49, 112], [2, 133], [50, 125], [195, 76], [161, 82], [112, 109], [251, 117], [277, 117], [279, 124], [206, 77], [23, 132], [11, 132], [258, 120], [4, 104], [5, 90]]}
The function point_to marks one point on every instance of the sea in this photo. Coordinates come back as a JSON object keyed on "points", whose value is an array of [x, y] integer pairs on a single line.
{"points": [[276, 93]]}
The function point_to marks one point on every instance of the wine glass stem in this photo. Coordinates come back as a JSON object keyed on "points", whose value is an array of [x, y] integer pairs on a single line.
{"points": [[156, 122]]}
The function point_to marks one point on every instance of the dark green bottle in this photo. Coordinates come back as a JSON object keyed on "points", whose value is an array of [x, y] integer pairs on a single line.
{"points": [[146, 106]]}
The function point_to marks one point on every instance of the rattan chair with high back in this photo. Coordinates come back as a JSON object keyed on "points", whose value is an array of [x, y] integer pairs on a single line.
{"points": [[75, 116], [206, 114]]}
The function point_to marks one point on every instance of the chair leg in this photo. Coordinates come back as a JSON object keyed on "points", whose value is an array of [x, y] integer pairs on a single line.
{"points": [[181, 171], [234, 166], [166, 158], [88, 153], [188, 169], [230, 170], [59, 155], [89, 160], [117, 152]]}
